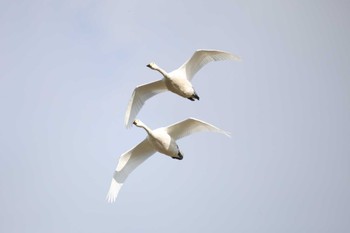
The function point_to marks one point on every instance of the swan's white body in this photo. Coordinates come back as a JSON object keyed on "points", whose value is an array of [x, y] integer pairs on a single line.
{"points": [[177, 81], [161, 140]]}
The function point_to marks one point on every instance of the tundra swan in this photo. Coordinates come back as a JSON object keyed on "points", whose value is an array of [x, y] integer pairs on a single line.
{"points": [[161, 140], [177, 81]]}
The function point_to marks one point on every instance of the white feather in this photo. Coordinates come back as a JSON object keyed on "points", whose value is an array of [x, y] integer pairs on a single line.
{"points": [[177, 81], [139, 97], [127, 163], [157, 140], [191, 125], [202, 57]]}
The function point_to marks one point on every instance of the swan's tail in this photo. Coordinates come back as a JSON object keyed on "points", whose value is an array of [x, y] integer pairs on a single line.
{"points": [[113, 191]]}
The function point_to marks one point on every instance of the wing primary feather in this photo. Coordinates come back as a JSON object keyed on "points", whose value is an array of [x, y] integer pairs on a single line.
{"points": [[139, 96], [202, 57], [190, 126], [127, 163]]}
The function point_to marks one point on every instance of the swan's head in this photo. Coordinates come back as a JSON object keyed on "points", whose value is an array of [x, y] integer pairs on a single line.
{"points": [[152, 66], [138, 123]]}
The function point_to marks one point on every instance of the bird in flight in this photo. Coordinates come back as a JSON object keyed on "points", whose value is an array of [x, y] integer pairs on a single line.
{"points": [[177, 81], [161, 140]]}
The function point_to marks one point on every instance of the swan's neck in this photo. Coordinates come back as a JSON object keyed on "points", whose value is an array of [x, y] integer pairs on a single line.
{"points": [[145, 127], [160, 70]]}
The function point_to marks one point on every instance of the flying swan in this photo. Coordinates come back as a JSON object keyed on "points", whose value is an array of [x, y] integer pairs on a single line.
{"points": [[161, 140], [177, 81]]}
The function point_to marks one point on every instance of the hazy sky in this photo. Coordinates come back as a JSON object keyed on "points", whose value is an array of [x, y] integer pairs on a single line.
{"points": [[67, 71]]}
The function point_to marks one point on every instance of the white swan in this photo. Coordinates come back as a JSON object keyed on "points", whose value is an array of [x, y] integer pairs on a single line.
{"points": [[162, 140], [177, 81]]}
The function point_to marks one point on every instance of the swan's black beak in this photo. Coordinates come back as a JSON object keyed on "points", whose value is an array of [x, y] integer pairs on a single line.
{"points": [[134, 122], [149, 66]]}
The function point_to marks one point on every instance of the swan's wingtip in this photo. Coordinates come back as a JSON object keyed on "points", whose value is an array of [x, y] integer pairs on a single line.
{"points": [[112, 194], [228, 134], [110, 199], [238, 59], [235, 57], [113, 191]]}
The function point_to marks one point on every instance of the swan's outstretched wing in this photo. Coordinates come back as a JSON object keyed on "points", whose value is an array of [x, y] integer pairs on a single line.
{"points": [[139, 97], [201, 57], [127, 163], [190, 126]]}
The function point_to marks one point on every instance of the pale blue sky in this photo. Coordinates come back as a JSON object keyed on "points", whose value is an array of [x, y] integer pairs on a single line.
{"points": [[68, 69]]}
